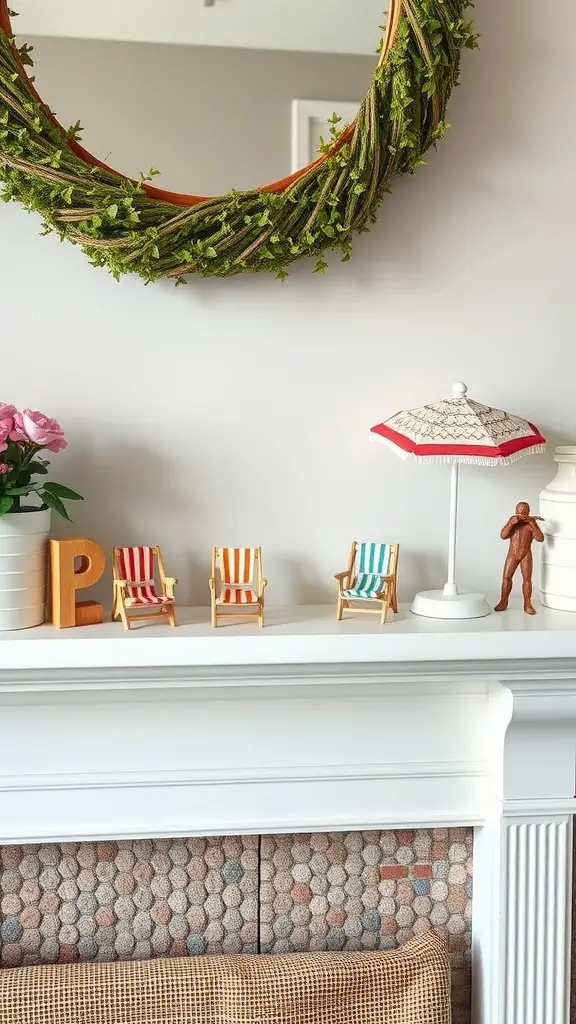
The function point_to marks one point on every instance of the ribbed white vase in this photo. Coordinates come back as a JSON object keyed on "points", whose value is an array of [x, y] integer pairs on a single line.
{"points": [[558, 507], [23, 567]]}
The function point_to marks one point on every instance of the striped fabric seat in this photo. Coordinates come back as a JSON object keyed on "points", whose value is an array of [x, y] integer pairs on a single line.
{"points": [[143, 596], [373, 565], [237, 595], [137, 567], [367, 586]]}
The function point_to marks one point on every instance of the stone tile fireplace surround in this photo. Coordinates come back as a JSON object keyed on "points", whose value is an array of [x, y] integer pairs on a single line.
{"points": [[355, 763], [135, 899]]}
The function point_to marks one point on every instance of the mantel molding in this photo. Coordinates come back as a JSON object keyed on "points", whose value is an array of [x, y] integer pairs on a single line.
{"points": [[304, 727]]}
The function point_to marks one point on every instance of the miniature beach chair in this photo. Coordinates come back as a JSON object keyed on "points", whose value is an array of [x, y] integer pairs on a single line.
{"points": [[370, 576], [135, 589], [237, 584]]}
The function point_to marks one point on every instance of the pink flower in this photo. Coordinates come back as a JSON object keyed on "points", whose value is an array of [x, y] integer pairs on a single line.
{"points": [[7, 413], [31, 425], [5, 428], [4, 468]]}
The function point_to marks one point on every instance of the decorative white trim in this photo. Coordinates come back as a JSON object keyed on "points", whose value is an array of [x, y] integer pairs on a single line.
{"points": [[537, 921], [546, 807], [230, 777], [306, 113], [181, 828]]}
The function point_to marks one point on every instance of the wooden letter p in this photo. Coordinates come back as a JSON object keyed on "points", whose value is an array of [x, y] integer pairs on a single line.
{"points": [[66, 580]]}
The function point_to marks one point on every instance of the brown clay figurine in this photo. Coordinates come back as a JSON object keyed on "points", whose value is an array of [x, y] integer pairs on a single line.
{"points": [[521, 529]]}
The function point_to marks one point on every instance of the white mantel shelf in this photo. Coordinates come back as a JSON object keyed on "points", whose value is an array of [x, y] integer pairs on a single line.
{"points": [[306, 635], [314, 725]]}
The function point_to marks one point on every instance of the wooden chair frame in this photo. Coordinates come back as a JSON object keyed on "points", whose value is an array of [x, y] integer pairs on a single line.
{"points": [[387, 598], [120, 610], [259, 584]]}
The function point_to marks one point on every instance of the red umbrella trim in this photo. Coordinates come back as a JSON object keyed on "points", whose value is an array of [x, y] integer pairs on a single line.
{"points": [[495, 452]]}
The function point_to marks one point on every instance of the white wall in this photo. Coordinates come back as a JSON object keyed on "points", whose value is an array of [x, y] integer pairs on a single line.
{"points": [[237, 412], [329, 26]]}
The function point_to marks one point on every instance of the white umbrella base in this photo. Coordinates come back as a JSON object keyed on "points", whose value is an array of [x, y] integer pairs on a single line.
{"points": [[435, 604]]}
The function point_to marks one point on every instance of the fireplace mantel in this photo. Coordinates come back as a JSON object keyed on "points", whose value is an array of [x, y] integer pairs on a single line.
{"points": [[313, 725], [295, 636]]}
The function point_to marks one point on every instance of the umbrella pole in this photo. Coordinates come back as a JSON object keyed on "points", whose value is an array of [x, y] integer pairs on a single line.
{"points": [[450, 588]]}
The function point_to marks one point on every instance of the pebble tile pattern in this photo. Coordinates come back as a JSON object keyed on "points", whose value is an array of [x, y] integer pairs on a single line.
{"points": [[128, 900], [370, 890], [138, 899]]}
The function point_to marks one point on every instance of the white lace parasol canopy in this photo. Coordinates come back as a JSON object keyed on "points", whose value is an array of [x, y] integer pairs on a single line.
{"points": [[458, 429]]}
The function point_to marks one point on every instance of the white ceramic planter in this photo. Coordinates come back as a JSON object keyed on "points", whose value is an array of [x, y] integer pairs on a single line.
{"points": [[558, 507], [23, 566]]}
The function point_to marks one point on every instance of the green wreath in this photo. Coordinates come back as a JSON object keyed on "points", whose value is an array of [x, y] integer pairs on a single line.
{"points": [[130, 227]]}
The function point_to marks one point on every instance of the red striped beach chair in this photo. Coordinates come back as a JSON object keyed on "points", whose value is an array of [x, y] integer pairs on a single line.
{"points": [[237, 584], [136, 595], [371, 576]]}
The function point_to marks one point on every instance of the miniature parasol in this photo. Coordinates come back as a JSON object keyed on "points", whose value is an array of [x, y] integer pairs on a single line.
{"points": [[453, 431]]}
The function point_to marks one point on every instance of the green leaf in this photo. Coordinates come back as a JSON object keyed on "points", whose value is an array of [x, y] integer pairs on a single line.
{"points": [[38, 467], [321, 267], [5, 504], [17, 491], [52, 501], [63, 492], [74, 132], [112, 211]]}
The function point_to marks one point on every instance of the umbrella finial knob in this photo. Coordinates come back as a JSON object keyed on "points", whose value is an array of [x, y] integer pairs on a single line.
{"points": [[459, 389]]}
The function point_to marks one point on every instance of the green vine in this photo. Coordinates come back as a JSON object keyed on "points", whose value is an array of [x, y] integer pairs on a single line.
{"points": [[122, 228]]}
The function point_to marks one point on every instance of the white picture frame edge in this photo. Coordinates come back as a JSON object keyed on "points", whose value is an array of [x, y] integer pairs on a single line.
{"points": [[306, 111]]}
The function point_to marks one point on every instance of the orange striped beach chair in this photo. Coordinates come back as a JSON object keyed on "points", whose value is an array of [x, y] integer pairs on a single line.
{"points": [[135, 589], [237, 584]]}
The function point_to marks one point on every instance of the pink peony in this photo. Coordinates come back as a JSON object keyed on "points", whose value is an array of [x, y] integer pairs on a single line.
{"points": [[31, 425], [5, 428], [4, 468]]}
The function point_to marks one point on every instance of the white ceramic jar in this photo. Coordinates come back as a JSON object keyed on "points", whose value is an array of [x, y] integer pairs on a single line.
{"points": [[23, 568], [558, 507]]}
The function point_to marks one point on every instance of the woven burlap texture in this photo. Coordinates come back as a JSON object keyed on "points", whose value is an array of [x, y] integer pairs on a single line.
{"points": [[410, 985]]}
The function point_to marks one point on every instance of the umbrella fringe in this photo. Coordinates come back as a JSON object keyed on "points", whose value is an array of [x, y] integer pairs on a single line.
{"points": [[478, 460]]}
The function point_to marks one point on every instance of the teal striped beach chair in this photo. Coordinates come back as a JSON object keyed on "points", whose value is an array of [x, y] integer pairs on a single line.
{"points": [[370, 576]]}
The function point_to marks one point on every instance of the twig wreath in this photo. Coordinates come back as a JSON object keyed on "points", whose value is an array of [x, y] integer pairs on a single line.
{"points": [[131, 227]]}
